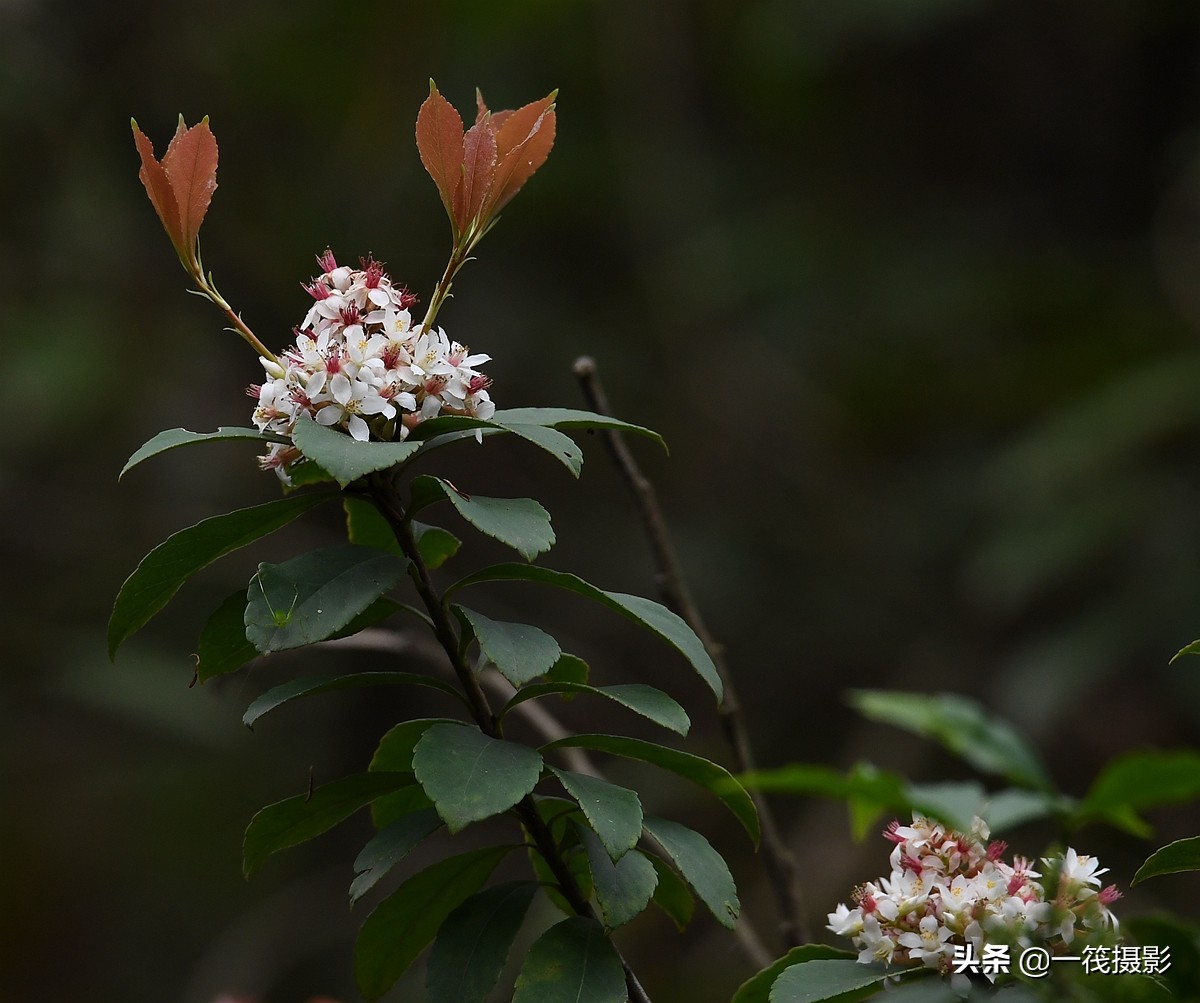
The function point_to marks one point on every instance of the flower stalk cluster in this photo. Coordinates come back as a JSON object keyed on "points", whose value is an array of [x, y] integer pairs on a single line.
{"points": [[951, 889], [359, 364]]}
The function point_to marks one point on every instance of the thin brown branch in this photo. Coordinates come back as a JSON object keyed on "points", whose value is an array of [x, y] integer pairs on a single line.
{"points": [[777, 858]]}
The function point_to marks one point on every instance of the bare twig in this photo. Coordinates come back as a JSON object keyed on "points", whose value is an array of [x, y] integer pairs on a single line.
{"points": [[777, 858]]}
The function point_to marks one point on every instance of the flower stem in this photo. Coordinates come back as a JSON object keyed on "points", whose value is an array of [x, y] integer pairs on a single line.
{"points": [[461, 254], [209, 290]]}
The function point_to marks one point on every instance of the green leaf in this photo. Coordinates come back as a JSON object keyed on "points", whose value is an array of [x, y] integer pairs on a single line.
{"points": [[473, 946], [713, 778], [824, 980], [181, 555], [557, 417], [392, 807], [758, 988], [520, 523], [395, 750], [388, 847], [561, 447], [223, 646], [651, 703], [298, 819], [614, 812], [867, 790], [366, 527], [519, 651], [654, 617], [568, 669], [175, 437], [672, 895], [470, 777], [345, 457], [304, 472], [572, 962], [1191, 649], [445, 425], [1140, 780], [1181, 855], [962, 726], [870, 791], [297, 688], [394, 754], [435, 544], [1174, 935], [311, 597], [396, 933], [623, 889], [1014, 806], [448, 428], [701, 866], [953, 803]]}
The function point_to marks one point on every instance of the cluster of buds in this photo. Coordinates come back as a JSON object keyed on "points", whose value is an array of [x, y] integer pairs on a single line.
{"points": [[359, 363], [949, 889]]}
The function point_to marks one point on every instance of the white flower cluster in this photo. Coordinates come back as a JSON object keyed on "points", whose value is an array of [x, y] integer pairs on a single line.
{"points": [[949, 888], [360, 364]]}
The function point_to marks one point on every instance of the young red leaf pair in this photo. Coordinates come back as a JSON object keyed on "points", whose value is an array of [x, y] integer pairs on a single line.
{"points": [[181, 185], [477, 172]]}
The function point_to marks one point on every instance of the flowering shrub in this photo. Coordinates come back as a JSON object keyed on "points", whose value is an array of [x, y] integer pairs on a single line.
{"points": [[362, 392], [952, 889]]}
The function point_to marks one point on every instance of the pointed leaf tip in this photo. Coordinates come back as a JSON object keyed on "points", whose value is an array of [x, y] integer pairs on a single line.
{"points": [[440, 144]]}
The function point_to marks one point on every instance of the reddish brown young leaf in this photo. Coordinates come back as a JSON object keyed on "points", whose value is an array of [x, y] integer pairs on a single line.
{"points": [[515, 127], [440, 143], [523, 143], [158, 187], [191, 166], [478, 174]]}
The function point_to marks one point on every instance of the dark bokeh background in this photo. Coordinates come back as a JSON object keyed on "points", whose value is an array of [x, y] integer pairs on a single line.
{"points": [[910, 289]]}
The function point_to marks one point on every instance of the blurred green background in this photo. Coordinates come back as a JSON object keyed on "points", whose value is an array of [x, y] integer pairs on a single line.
{"points": [[909, 287]]}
